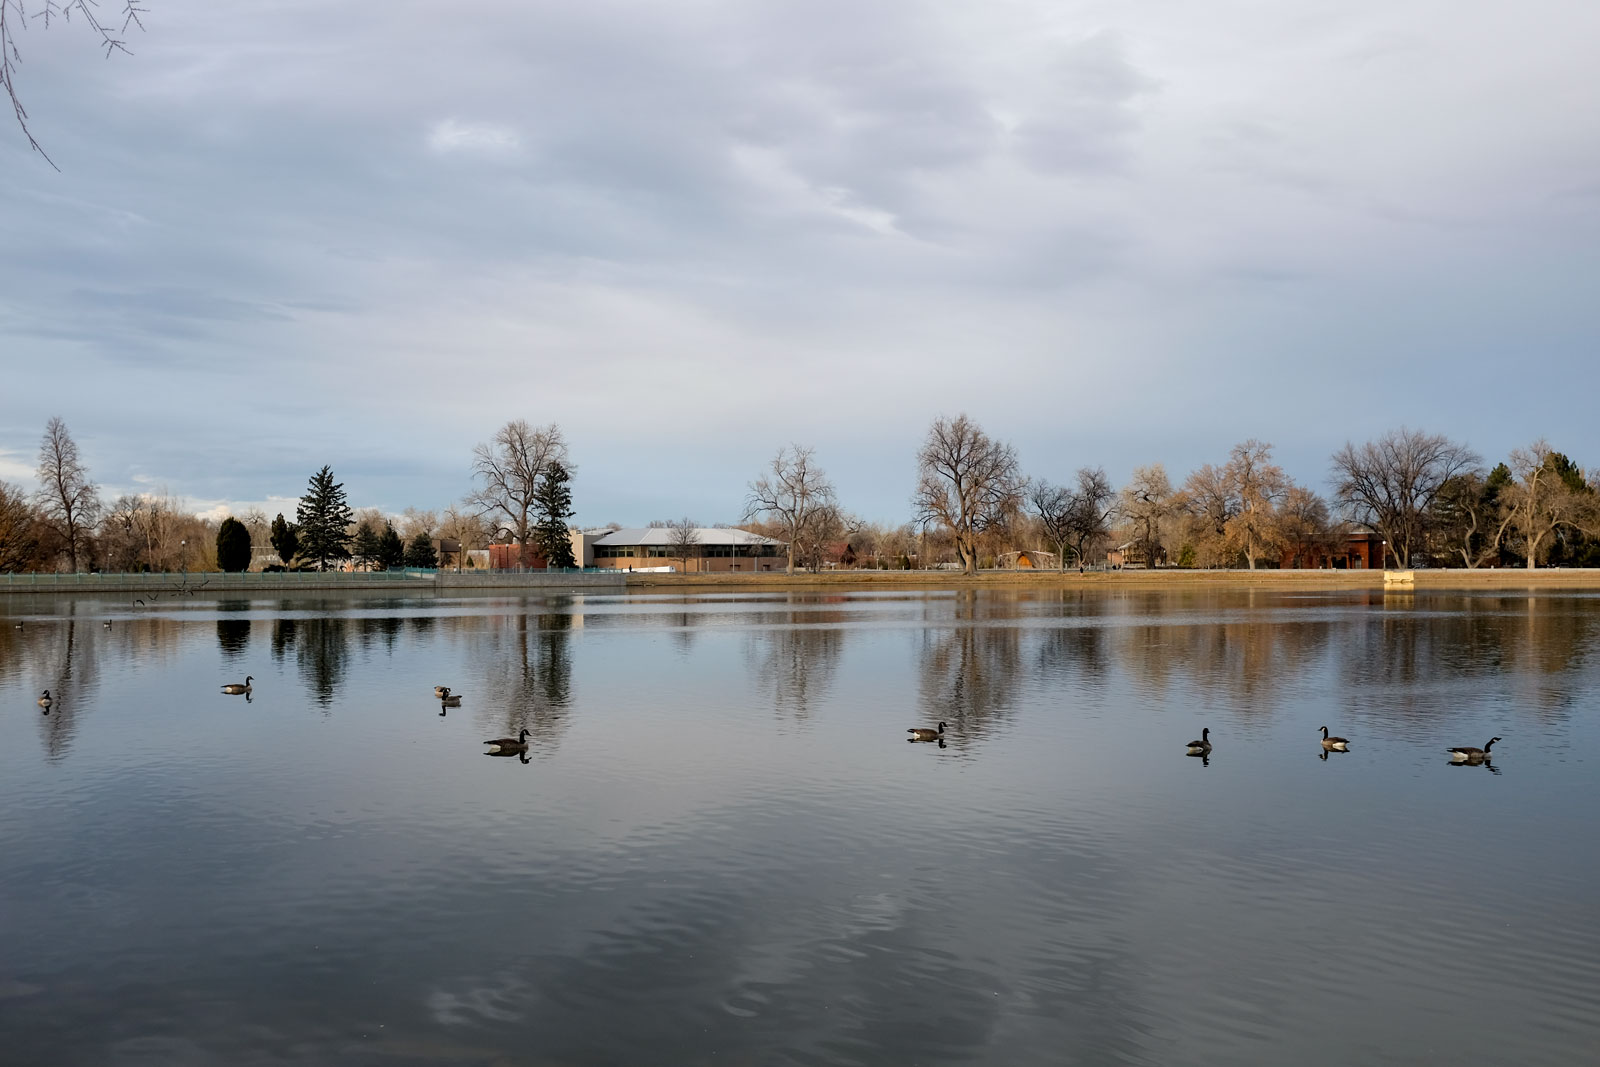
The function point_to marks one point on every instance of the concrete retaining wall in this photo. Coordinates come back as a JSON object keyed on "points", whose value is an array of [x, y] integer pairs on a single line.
{"points": [[387, 583]]}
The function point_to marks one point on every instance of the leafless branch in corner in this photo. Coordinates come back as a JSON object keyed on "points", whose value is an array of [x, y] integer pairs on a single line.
{"points": [[14, 18]]}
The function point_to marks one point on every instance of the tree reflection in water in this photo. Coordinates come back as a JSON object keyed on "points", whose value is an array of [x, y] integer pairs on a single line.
{"points": [[794, 662], [73, 672], [233, 635], [968, 671], [526, 669], [321, 649], [382, 629]]}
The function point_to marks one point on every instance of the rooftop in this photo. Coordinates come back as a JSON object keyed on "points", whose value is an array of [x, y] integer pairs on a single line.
{"points": [[657, 535]]}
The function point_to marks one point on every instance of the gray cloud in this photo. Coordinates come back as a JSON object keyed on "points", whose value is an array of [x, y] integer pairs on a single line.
{"points": [[365, 236]]}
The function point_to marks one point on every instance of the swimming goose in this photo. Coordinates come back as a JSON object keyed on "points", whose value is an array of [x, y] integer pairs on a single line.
{"points": [[235, 688], [1201, 747], [1334, 744], [922, 733], [449, 700], [45, 701], [508, 744], [1467, 754]]}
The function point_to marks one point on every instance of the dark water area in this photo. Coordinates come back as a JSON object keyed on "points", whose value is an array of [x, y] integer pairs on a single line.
{"points": [[719, 846]]}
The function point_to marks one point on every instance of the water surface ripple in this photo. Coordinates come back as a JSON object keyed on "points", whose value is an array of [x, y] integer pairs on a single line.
{"points": [[719, 846]]}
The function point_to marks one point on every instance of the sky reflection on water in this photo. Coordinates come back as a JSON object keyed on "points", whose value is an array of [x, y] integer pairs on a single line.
{"points": [[720, 846]]}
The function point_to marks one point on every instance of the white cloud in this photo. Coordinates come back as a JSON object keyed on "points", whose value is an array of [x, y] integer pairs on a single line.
{"points": [[14, 468], [482, 138]]}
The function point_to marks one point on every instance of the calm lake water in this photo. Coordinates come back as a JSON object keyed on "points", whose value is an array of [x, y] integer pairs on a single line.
{"points": [[722, 849]]}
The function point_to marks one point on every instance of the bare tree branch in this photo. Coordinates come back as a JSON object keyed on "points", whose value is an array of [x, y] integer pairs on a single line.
{"points": [[508, 470], [14, 14], [797, 495], [1390, 484], [966, 482]]}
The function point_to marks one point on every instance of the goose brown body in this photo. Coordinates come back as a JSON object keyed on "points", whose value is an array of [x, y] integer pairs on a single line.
{"points": [[1468, 754], [922, 733], [1203, 745], [1334, 744], [508, 744], [235, 688], [449, 699]]}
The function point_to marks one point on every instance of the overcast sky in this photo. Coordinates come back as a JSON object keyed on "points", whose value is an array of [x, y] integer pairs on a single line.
{"points": [[293, 233]]}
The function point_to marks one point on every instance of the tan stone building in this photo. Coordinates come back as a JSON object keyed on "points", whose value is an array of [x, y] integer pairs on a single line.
{"points": [[715, 550]]}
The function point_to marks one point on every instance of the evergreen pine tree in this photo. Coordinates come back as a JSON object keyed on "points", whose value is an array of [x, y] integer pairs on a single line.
{"points": [[420, 553], [553, 505], [391, 550], [323, 517], [367, 546], [233, 545], [285, 539]]}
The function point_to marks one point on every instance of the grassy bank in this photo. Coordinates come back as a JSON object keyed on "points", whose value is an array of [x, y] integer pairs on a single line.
{"points": [[1242, 579]]}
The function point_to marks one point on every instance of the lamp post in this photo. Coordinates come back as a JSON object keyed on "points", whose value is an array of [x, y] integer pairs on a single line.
{"points": [[1383, 554]]}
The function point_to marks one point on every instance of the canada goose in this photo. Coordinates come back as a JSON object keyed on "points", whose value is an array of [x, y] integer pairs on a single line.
{"points": [[508, 744], [235, 688], [45, 701], [107, 624], [1467, 754], [1334, 744], [1201, 747], [922, 733], [448, 699]]}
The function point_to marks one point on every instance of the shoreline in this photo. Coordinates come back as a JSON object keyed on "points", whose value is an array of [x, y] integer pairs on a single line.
{"points": [[1504, 578], [403, 583]]}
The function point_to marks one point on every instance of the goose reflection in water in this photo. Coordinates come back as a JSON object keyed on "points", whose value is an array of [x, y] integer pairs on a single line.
{"points": [[521, 754], [1486, 762]]}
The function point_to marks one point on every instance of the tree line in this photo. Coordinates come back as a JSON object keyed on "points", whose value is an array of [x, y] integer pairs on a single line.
{"points": [[1428, 499], [1431, 500]]}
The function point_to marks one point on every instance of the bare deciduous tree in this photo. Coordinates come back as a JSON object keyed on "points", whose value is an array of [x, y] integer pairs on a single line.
{"points": [[1147, 500], [1464, 517], [794, 493], [1305, 527], [1208, 504], [68, 501], [466, 528], [1093, 504], [1257, 484], [682, 537], [1390, 484], [1053, 504], [508, 470], [415, 522], [18, 13], [1540, 503], [19, 535], [966, 482]]}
